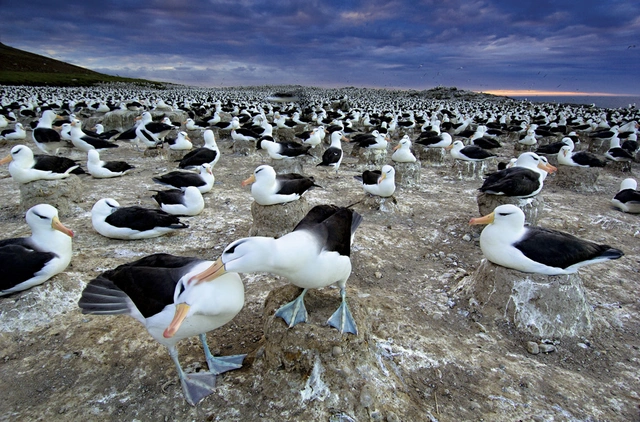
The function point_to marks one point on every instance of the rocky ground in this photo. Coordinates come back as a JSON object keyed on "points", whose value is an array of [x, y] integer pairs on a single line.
{"points": [[421, 353]]}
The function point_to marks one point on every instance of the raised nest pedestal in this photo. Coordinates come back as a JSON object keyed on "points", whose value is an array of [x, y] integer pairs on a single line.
{"points": [[407, 174], [62, 194], [435, 157], [542, 305], [277, 220]]}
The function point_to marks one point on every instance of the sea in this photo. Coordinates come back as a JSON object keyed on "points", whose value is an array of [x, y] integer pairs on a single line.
{"points": [[598, 101]]}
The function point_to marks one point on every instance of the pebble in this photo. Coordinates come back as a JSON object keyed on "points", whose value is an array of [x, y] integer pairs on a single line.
{"points": [[533, 348], [336, 351], [378, 274], [584, 346], [392, 417], [547, 348], [366, 396], [466, 238]]}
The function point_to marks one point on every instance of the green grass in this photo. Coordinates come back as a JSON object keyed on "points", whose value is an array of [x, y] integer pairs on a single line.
{"points": [[66, 79]]}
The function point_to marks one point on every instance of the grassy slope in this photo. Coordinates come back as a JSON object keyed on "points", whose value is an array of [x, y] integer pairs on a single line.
{"points": [[18, 67]]}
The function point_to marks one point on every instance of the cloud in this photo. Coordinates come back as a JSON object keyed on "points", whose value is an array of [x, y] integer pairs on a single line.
{"points": [[468, 44]]}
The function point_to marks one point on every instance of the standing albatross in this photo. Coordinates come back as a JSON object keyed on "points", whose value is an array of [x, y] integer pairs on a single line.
{"points": [[314, 255], [155, 291]]}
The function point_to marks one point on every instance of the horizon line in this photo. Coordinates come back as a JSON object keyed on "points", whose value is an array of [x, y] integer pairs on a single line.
{"points": [[534, 93]]}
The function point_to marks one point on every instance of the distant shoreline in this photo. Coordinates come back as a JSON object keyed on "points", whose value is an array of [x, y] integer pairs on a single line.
{"points": [[609, 101]]}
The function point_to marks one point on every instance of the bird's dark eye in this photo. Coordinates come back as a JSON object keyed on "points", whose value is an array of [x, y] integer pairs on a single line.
{"points": [[504, 213], [232, 249], [259, 170], [41, 216], [182, 288]]}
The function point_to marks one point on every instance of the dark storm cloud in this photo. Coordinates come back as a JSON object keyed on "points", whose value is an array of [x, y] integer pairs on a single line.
{"points": [[584, 46]]}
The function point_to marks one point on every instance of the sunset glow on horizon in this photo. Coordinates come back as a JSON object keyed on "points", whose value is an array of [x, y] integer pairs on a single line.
{"points": [[533, 93]]}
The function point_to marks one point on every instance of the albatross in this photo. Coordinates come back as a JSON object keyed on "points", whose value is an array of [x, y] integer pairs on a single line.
{"points": [[379, 182], [181, 179], [628, 197], [315, 254], [28, 261], [131, 223], [269, 188], [105, 169], [524, 180], [506, 241], [25, 167], [155, 291]]}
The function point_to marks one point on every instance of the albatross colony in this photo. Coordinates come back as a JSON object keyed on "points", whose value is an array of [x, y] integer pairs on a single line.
{"points": [[421, 352]]}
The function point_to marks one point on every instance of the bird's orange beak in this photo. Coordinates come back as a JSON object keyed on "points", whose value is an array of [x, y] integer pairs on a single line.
{"points": [[251, 179], [57, 225], [182, 309], [214, 271], [487, 219], [397, 147], [547, 167], [6, 159], [449, 147]]}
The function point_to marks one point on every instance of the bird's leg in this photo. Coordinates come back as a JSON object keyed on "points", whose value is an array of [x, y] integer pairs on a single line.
{"points": [[342, 318], [221, 364], [294, 312], [196, 386]]}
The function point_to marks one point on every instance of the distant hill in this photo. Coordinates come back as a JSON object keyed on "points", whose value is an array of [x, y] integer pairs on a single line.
{"points": [[19, 67]]}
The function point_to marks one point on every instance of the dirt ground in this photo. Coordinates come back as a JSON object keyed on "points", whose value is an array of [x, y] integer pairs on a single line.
{"points": [[420, 355]]}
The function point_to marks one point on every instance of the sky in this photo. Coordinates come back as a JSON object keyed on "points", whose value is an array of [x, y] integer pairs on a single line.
{"points": [[581, 47]]}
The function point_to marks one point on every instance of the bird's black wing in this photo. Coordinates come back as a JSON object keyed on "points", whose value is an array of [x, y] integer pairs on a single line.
{"points": [[127, 134], [197, 157], [157, 127], [552, 148], [370, 177], [514, 181], [148, 282], [559, 249], [169, 197], [55, 163], [628, 196], [335, 225], [117, 166], [46, 135], [294, 183], [18, 263], [180, 179], [585, 158], [98, 143], [142, 219], [330, 156]]}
